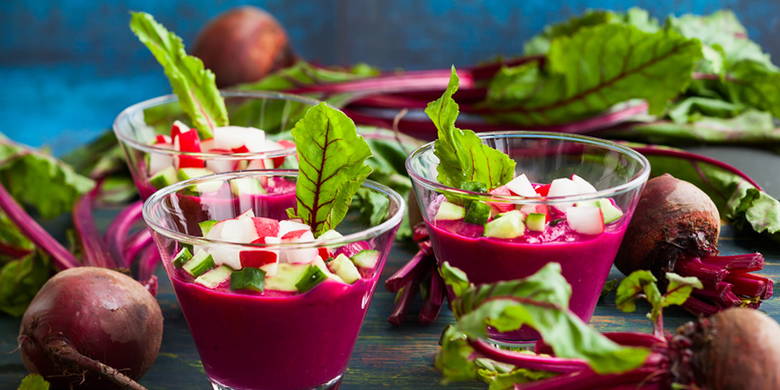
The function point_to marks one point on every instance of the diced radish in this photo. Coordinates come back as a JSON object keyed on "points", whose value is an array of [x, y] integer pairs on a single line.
{"points": [[207, 144], [295, 234], [247, 214], [221, 165], [330, 235], [300, 255], [583, 185], [226, 255], [188, 141], [543, 189], [160, 139], [521, 186], [501, 207], [177, 128], [527, 209], [563, 187], [238, 230], [585, 219], [283, 144], [159, 161], [260, 257], [241, 149], [229, 137], [266, 226], [290, 225]]}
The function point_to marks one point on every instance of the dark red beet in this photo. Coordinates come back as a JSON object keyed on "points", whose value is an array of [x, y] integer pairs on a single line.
{"points": [[735, 349], [674, 218], [243, 45], [91, 328]]}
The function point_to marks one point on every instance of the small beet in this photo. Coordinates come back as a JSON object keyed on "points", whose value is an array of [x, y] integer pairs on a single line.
{"points": [[674, 218], [243, 45], [735, 349], [91, 328]]}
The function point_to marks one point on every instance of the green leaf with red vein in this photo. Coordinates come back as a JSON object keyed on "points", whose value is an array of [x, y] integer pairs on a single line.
{"points": [[462, 155], [191, 82], [332, 166], [594, 69]]}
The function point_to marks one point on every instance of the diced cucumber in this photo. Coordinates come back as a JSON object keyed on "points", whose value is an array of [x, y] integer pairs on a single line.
{"points": [[449, 212], [477, 212], [191, 173], [366, 258], [215, 277], [310, 278], [182, 257], [199, 264], [611, 212], [319, 263], [248, 279], [287, 275], [509, 225], [536, 221], [474, 186], [205, 226], [344, 268], [163, 178], [246, 186]]}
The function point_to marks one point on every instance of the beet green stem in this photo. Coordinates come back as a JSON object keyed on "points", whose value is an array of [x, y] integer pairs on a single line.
{"points": [[32, 230], [527, 360]]}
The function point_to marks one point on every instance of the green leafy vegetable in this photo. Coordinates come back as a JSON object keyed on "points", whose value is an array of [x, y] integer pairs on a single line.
{"points": [[595, 68], [541, 302], [13, 244], [642, 284], [57, 186], [33, 382], [303, 73], [462, 155], [191, 82], [332, 166], [20, 280], [457, 361], [103, 158]]}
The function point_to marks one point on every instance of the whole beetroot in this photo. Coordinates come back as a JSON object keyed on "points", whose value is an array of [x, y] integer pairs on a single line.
{"points": [[91, 328], [674, 218], [675, 228], [243, 45], [735, 349]]}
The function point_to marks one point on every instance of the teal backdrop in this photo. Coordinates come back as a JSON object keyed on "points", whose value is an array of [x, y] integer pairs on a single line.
{"points": [[67, 67]]}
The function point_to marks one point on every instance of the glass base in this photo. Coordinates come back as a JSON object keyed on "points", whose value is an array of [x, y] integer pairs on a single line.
{"points": [[332, 384]]}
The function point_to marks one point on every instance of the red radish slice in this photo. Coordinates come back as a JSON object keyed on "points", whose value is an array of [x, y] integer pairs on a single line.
{"points": [[207, 144], [585, 219], [295, 234], [522, 186], [290, 225], [563, 187], [501, 207], [177, 128], [301, 255], [247, 214], [583, 185], [160, 139], [160, 161], [543, 190], [535, 208], [238, 230], [187, 141], [266, 227], [260, 257], [241, 149], [283, 144], [229, 137], [221, 165]]}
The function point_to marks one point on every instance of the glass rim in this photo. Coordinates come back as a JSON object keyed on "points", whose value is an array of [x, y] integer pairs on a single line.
{"points": [[170, 98], [636, 181], [373, 231]]}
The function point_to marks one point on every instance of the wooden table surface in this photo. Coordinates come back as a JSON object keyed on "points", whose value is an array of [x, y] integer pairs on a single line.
{"points": [[401, 358]]}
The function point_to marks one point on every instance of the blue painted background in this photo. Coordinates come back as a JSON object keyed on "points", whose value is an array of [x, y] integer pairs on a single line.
{"points": [[67, 67]]}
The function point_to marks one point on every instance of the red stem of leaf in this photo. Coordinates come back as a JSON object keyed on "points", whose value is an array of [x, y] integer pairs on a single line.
{"points": [[655, 151], [527, 360], [738, 263], [432, 306], [137, 243], [95, 252], [12, 251], [422, 261], [116, 234], [147, 263], [401, 307], [588, 380], [38, 235]]}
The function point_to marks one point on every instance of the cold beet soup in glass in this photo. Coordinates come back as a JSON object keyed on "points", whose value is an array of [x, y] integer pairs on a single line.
{"points": [[569, 201], [269, 305]]}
